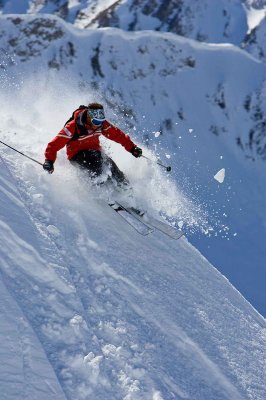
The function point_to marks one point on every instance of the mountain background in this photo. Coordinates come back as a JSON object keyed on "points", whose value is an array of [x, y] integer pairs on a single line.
{"points": [[91, 302]]}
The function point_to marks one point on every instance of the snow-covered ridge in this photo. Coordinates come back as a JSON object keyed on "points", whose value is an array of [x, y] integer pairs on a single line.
{"points": [[205, 20], [216, 21], [212, 21]]}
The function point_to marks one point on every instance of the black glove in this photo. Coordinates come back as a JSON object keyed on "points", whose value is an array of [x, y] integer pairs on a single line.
{"points": [[136, 151], [48, 166]]}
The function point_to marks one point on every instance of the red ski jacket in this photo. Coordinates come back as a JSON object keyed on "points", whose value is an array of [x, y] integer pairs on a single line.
{"points": [[77, 140]]}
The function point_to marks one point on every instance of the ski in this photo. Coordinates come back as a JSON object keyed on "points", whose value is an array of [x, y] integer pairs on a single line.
{"points": [[174, 233], [139, 225]]}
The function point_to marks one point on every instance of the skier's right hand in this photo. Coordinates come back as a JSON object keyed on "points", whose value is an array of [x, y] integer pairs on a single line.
{"points": [[48, 166], [136, 151]]}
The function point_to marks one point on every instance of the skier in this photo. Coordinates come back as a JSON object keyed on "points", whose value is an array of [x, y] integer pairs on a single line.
{"points": [[81, 135]]}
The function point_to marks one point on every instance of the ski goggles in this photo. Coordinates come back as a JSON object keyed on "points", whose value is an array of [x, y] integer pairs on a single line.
{"points": [[97, 116]]}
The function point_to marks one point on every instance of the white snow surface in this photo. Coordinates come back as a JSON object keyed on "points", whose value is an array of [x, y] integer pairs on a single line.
{"points": [[94, 310]]}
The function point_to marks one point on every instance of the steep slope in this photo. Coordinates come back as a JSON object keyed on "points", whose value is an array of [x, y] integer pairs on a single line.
{"points": [[117, 315], [180, 100]]}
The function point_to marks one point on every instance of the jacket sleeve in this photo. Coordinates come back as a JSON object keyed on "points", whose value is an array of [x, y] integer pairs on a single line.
{"points": [[112, 132], [59, 141]]}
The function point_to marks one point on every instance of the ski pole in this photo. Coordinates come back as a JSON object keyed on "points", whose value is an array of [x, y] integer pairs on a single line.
{"points": [[32, 159], [168, 168]]}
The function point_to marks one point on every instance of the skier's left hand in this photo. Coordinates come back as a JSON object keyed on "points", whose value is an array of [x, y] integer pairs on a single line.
{"points": [[48, 166], [136, 151]]}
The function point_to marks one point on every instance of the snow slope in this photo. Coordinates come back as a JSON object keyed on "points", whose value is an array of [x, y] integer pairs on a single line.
{"points": [[99, 311], [198, 107]]}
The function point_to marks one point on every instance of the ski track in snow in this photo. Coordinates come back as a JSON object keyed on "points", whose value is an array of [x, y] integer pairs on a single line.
{"points": [[115, 318]]}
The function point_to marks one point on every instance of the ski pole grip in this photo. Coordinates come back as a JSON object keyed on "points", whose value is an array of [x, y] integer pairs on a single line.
{"points": [[168, 168]]}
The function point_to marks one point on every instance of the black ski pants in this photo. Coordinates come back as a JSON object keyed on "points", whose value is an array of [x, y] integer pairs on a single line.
{"points": [[94, 161]]}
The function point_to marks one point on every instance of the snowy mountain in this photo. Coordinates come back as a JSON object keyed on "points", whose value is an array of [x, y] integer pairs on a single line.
{"points": [[216, 21], [180, 100]]}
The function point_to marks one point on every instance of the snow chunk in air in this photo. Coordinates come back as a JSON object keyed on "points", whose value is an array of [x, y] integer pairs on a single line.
{"points": [[219, 176]]}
